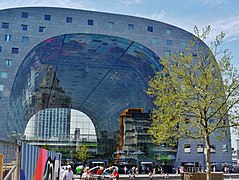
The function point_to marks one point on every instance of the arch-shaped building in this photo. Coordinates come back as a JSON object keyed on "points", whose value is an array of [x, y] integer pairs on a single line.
{"points": [[94, 62]]}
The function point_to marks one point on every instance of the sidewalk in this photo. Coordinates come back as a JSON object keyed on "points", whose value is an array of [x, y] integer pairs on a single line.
{"points": [[234, 176], [145, 176]]}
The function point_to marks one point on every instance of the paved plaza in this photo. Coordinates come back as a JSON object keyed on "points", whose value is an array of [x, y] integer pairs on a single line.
{"points": [[234, 176]]}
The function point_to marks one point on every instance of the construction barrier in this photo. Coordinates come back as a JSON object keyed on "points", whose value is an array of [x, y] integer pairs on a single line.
{"points": [[38, 163]]}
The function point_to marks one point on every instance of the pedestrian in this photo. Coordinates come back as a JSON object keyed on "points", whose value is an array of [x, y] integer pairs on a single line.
{"points": [[100, 170], [68, 174], [86, 174], [225, 169], [115, 174], [137, 170], [143, 169], [132, 173], [125, 170], [79, 170], [150, 175]]}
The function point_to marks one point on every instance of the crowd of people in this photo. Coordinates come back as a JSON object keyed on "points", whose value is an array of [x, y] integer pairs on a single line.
{"points": [[112, 172], [145, 170], [86, 174]]}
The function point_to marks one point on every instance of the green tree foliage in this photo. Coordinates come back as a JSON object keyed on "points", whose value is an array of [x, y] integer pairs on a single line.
{"points": [[196, 94], [46, 146], [82, 153]]}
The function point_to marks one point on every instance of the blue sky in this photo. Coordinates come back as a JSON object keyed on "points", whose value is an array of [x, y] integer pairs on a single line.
{"points": [[222, 15]]}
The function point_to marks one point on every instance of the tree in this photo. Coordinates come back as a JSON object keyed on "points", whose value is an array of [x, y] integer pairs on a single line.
{"points": [[192, 90], [46, 146], [81, 153]]}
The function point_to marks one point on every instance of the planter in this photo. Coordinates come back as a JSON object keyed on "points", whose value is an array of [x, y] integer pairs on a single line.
{"points": [[202, 176]]}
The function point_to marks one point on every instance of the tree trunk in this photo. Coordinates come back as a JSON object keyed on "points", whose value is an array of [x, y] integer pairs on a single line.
{"points": [[208, 158]]}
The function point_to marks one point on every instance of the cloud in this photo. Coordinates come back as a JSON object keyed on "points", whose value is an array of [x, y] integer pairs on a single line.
{"points": [[228, 25], [158, 16], [129, 2], [209, 2], [83, 4]]}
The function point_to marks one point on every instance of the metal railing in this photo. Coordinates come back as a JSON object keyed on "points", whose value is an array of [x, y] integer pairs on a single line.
{"points": [[12, 173], [11, 160]]}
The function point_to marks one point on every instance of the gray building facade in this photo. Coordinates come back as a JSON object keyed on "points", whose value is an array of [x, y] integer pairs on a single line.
{"points": [[97, 63]]}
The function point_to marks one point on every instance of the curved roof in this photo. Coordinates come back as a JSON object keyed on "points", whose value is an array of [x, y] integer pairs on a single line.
{"points": [[97, 74]]}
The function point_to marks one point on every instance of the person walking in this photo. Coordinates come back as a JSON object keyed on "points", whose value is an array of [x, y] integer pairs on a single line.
{"points": [[86, 175], [68, 174], [125, 170], [115, 174]]}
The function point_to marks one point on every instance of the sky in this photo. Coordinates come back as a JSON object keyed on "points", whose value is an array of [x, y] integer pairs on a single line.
{"points": [[221, 15]]}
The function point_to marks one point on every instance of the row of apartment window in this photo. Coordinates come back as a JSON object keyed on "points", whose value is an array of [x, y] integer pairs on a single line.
{"points": [[200, 149], [24, 27], [8, 38], [90, 22], [25, 39], [14, 50]]}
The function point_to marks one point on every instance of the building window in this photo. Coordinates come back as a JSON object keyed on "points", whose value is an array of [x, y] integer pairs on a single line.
{"points": [[224, 148], [1, 87], [5, 25], [187, 148], [150, 28], [3, 75], [90, 22], [8, 62], [213, 149], [42, 29], [181, 53], [211, 121], [176, 64], [200, 148], [183, 44], [47, 17], [14, 50], [169, 42], [69, 20], [25, 39], [111, 25], [194, 54], [130, 26], [197, 45], [24, 14], [154, 41], [167, 52], [168, 31], [8, 37], [24, 27]]}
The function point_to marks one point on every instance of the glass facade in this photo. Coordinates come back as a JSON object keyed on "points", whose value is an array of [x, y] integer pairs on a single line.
{"points": [[60, 126], [78, 71]]}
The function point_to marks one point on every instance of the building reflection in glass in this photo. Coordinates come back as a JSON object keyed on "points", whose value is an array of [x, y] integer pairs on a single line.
{"points": [[98, 75]]}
